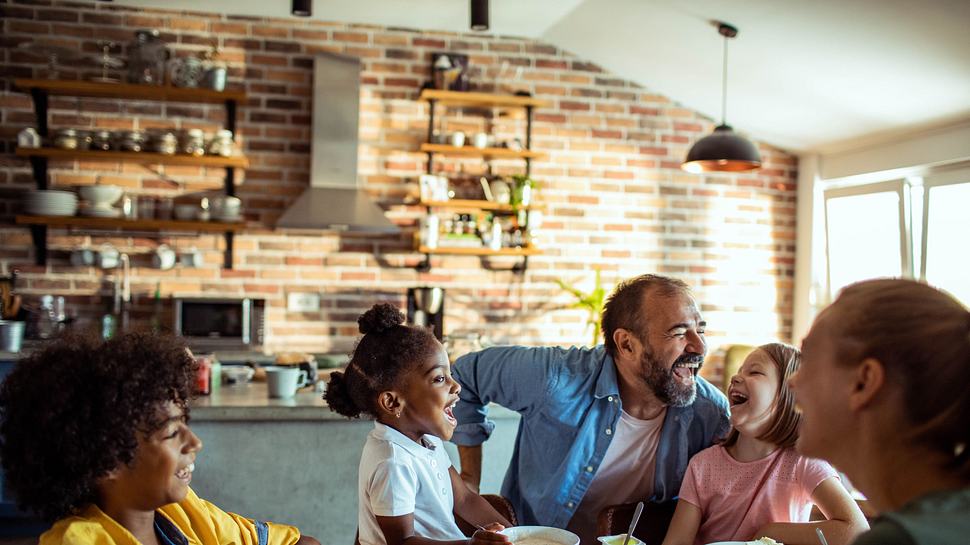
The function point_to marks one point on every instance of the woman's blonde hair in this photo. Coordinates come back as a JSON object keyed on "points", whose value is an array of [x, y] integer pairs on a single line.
{"points": [[783, 427], [921, 336]]}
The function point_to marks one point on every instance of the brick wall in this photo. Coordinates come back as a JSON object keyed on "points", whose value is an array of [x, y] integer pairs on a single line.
{"points": [[615, 196]]}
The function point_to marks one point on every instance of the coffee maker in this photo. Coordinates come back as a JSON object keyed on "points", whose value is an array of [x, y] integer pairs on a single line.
{"points": [[426, 307]]}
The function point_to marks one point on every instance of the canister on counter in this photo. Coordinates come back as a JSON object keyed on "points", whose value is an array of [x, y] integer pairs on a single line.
{"points": [[203, 377]]}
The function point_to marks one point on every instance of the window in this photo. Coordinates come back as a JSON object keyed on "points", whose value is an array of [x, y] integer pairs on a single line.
{"points": [[946, 220], [914, 228]]}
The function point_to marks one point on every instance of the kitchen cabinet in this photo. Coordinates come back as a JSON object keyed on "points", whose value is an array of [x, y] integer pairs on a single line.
{"points": [[41, 90], [433, 149]]}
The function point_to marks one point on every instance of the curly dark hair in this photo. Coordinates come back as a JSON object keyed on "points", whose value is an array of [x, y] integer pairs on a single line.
{"points": [[72, 412], [387, 350]]}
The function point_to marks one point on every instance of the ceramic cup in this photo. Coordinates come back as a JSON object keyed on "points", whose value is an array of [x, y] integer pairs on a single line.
{"points": [[164, 257], [191, 258], [107, 256], [82, 257], [480, 140], [282, 382], [458, 139]]}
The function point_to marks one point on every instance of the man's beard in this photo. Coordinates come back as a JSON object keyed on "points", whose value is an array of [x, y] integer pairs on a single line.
{"points": [[664, 384]]}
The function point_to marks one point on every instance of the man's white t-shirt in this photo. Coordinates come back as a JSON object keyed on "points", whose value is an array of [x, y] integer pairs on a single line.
{"points": [[397, 477], [625, 475]]}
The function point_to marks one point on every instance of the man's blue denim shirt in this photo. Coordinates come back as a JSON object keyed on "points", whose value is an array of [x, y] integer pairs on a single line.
{"points": [[569, 400]]}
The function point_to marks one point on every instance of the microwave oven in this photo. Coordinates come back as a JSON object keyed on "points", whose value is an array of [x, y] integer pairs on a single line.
{"points": [[220, 323]]}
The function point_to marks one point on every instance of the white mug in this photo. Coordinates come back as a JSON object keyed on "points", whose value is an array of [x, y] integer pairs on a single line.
{"points": [[282, 382], [108, 256], [480, 140], [164, 257], [191, 258], [458, 139]]}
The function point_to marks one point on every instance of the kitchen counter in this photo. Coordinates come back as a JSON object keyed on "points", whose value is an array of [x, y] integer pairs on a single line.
{"points": [[250, 402]]}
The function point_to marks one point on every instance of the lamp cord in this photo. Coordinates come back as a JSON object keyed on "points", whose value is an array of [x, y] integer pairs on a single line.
{"points": [[724, 84]]}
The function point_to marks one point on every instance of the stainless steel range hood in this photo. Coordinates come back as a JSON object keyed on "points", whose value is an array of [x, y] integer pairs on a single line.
{"points": [[334, 199]]}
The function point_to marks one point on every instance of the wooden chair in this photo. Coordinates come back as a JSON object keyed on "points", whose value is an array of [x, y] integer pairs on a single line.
{"points": [[502, 505], [652, 528]]}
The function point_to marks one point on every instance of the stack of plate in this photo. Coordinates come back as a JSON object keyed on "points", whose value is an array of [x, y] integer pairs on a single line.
{"points": [[50, 203]]}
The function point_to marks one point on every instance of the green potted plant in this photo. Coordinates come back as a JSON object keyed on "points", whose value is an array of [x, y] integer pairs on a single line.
{"points": [[592, 301], [523, 187]]}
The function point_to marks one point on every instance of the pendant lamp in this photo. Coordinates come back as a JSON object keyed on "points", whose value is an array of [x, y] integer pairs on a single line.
{"points": [[723, 150], [479, 15], [302, 8]]}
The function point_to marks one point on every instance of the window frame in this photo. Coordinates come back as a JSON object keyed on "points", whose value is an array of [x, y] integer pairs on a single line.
{"points": [[902, 187]]}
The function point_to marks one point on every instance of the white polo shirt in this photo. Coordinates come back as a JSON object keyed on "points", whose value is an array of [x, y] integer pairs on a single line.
{"points": [[397, 477]]}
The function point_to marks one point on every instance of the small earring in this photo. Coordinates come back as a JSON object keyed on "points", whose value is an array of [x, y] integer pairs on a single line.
{"points": [[397, 415]]}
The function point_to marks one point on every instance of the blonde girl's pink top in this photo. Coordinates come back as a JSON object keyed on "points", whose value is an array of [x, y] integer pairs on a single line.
{"points": [[722, 488]]}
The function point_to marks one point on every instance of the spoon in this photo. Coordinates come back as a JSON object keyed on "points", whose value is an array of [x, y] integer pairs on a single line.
{"points": [[633, 523], [821, 536]]}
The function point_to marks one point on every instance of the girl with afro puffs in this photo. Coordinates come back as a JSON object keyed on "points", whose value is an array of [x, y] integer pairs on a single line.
{"points": [[409, 491], [95, 437]]}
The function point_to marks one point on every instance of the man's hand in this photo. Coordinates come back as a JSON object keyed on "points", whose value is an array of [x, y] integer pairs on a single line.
{"points": [[470, 459]]}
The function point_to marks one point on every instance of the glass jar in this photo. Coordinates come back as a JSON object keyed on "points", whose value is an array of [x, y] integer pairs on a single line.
{"points": [[147, 56], [66, 139], [132, 141], [84, 139], [193, 142], [166, 143], [101, 140], [221, 144]]}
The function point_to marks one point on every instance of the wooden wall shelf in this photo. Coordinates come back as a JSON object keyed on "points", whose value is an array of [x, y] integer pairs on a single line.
{"points": [[81, 222], [468, 204], [488, 153], [58, 154], [128, 91], [515, 252], [470, 98], [41, 90]]}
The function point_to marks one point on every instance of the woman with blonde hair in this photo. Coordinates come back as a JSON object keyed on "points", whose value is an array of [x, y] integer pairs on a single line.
{"points": [[883, 392]]}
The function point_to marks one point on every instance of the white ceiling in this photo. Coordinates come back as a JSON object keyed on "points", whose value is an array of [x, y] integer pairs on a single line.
{"points": [[817, 75]]}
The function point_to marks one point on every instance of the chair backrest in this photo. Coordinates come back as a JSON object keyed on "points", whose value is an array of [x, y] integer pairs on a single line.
{"points": [[502, 505], [652, 528], [733, 358]]}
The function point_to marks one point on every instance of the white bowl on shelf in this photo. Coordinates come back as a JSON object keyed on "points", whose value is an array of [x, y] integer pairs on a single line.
{"points": [[100, 194]]}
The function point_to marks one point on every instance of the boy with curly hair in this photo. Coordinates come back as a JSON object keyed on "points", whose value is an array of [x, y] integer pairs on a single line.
{"points": [[95, 436]]}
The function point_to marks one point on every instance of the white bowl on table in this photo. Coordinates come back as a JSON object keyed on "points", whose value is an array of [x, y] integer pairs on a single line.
{"points": [[540, 535]]}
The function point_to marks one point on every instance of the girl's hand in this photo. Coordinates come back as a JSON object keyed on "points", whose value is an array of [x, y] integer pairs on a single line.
{"points": [[489, 535]]}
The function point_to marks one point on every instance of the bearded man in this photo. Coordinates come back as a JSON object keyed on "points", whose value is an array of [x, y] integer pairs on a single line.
{"points": [[611, 424]]}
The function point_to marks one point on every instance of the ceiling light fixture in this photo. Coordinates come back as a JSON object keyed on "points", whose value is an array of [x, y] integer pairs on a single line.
{"points": [[723, 150], [479, 14], [302, 8]]}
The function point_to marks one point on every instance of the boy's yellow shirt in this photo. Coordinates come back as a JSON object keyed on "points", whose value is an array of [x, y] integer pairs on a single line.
{"points": [[201, 522]]}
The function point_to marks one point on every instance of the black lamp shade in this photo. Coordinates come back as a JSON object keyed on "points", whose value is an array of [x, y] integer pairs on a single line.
{"points": [[302, 8], [479, 14], [722, 151]]}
